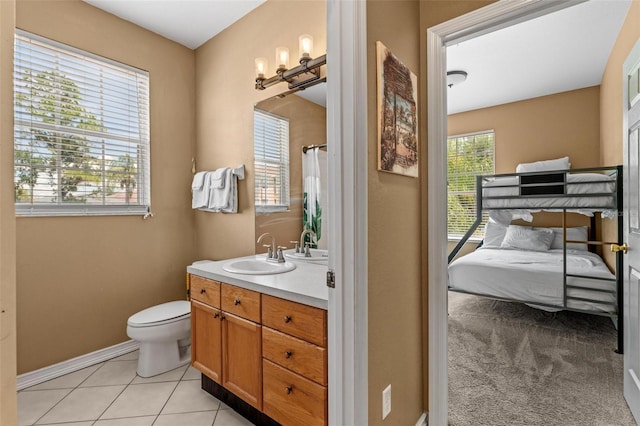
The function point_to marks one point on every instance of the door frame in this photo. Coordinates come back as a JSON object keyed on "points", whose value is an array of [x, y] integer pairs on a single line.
{"points": [[347, 212], [501, 14]]}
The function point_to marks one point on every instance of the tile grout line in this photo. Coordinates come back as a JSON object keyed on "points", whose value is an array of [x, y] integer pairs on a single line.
{"points": [[167, 401], [117, 396], [69, 393]]}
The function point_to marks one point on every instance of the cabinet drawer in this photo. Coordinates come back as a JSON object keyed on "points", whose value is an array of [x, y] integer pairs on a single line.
{"points": [[242, 302], [290, 399], [304, 358], [205, 290], [302, 321]]}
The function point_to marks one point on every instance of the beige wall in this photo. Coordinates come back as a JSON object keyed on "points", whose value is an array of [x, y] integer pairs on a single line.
{"points": [[394, 286], [564, 124], [224, 108], [8, 415], [307, 126], [432, 13], [80, 278], [611, 93], [611, 108]]}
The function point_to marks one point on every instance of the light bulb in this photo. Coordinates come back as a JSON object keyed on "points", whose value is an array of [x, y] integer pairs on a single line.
{"points": [[261, 67], [305, 43], [282, 58]]}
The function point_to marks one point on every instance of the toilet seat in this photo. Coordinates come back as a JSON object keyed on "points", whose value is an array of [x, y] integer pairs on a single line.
{"points": [[165, 313]]}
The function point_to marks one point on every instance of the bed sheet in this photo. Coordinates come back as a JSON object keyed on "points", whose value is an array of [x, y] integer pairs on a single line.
{"points": [[535, 277]]}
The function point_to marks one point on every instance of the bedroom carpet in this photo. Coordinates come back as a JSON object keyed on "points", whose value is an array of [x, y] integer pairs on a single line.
{"points": [[510, 364]]}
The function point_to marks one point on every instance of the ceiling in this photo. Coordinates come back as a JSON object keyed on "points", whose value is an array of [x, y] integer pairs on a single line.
{"points": [[188, 22], [562, 51], [565, 50]]}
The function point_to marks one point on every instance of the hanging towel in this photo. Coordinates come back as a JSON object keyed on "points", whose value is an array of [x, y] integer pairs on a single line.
{"points": [[218, 179], [200, 190], [312, 213], [220, 189]]}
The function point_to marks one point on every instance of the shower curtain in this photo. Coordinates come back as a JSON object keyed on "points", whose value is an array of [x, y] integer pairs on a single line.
{"points": [[314, 172]]}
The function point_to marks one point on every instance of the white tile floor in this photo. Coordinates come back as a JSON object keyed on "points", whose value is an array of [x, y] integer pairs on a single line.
{"points": [[111, 394]]}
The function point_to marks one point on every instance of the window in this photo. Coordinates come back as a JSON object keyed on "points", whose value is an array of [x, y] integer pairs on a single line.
{"points": [[271, 158], [467, 156], [81, 133]]}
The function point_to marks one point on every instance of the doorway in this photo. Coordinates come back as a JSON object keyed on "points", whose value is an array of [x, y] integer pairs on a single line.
{"points": [[496, 16]]}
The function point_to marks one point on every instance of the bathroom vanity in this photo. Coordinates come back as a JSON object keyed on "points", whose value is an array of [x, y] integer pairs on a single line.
{"points": [[261, 340]]}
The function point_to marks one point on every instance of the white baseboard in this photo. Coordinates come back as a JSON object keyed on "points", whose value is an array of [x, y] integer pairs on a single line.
{"points": [[41, 375], [423, 420]]}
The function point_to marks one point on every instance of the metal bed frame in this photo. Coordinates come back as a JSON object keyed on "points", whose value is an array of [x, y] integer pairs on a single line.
{"points": [[555, 185]]}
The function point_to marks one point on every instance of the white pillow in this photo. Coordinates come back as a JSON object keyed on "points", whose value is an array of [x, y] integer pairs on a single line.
{"points": [[493, 234], [578, 233], [527, 238], [543, 166]]}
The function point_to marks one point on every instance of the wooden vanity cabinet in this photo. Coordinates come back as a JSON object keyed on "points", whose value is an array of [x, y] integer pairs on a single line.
{"points": [[241, 343], [206, 340], [226, 347], [206, 331], [294, 340], [267, 351]]}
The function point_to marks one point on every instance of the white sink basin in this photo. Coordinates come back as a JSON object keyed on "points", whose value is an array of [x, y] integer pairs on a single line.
{"points": [[317, 255], [257, 267]]}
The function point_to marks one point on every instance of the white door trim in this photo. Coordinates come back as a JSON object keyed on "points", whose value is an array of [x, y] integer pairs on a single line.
{"points": [[347, 195], [481, 21]]}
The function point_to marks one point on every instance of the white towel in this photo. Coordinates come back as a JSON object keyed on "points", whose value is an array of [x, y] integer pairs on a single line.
{"points": [[218, 179], [200, 189], [232, 207], [219, 196], [198, 180]]}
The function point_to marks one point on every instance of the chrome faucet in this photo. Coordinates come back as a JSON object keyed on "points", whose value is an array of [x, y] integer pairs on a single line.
{"points": [[271, 253], [307, 253]]}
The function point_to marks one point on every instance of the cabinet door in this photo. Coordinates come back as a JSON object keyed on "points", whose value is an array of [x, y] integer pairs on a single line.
{"points": [[206, 340], [242, 358]]}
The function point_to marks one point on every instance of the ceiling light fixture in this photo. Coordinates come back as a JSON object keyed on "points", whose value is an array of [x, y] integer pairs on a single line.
{"points": [[299, 77], [455, 77]]}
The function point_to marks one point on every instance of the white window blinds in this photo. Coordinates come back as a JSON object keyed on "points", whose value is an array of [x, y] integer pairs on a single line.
{"points": [[467, 156], [271, 158], [81, 133]]}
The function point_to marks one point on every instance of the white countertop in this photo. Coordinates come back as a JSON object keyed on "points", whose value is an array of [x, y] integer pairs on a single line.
{"points": [[305, 284]]}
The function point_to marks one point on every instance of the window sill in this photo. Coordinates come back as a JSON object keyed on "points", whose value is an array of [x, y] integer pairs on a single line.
{"points": [[476, 240], [271, 209]]}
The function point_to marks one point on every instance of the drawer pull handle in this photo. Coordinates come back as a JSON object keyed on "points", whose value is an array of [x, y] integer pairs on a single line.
{"points": [[223, 318], [216, 315], [203, 290], [288, 389], [237, 301], [287, 318], [288, 354]]}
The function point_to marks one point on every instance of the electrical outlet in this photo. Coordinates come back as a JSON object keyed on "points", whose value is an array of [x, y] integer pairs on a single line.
{"points": [[386, 402]]}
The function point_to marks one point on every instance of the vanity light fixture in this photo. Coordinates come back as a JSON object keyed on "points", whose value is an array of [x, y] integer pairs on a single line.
{"points": [[455, 77], [299, 77]]}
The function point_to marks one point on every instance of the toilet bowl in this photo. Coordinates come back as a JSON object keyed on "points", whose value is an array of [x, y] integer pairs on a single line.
{"points": [[164, 334]]}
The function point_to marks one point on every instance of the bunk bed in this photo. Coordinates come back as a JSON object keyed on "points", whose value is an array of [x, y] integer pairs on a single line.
{"points": [[546, 268]]}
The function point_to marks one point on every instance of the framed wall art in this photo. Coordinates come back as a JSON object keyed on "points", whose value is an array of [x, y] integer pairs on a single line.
{"points": [[397, 115]]}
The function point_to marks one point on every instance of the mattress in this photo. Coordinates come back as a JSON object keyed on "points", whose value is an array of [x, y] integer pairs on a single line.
{"points": [[585, 192], [536, 277]]}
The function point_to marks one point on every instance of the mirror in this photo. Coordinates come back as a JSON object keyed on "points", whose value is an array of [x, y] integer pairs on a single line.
{"points": [[306, 112]]}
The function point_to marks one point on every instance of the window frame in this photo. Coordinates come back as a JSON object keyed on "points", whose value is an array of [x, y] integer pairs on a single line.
{"points": [[106, 137], [476, 237], [283, 165]]}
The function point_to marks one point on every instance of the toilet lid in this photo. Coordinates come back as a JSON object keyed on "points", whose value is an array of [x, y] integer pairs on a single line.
{"points": [[159, 313]]}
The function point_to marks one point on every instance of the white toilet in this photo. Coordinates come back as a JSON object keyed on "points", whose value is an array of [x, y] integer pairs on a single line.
{"points": [[164, 333]]}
